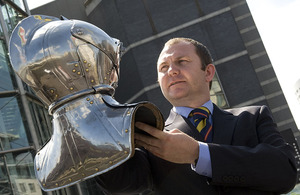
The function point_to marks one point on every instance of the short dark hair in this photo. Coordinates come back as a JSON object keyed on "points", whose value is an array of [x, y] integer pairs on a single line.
{"points": [[201, 49]]}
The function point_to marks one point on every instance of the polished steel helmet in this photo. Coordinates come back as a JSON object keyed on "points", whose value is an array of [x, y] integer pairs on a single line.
{"points": [[73, 66], [63, 59]]}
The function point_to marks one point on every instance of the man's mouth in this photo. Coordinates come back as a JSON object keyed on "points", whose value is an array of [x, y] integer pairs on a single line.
{"points": [[174, 83]]}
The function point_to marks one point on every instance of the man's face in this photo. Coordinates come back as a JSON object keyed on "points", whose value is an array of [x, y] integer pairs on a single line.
{"points": [[181, 79]]}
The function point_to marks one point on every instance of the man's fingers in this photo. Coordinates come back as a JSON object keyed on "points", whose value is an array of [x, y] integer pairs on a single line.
{"points": [[149, 140], [145, 145], [149, 129], [148, 144]]}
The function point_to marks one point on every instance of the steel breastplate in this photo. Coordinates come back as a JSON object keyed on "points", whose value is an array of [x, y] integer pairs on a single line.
{"points": [[91, 135]]}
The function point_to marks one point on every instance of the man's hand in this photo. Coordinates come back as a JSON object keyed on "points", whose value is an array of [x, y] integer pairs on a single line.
{"points": [[174, 146]]}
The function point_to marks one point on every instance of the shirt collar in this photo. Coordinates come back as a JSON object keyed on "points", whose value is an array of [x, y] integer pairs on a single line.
{"points": [[185, 111]]}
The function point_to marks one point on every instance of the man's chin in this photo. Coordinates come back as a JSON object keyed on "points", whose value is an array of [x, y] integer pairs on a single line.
{"points": [[175, 99]]}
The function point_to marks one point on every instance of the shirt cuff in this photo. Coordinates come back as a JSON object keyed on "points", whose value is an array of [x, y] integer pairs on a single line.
{"points": [[203, 166]]}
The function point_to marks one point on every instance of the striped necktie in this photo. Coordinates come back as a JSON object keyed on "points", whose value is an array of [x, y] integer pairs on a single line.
{"points": [[200, 118]]}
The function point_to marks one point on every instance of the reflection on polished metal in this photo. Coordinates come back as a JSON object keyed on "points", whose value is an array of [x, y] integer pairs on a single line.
{"points": [[57, 58], [90, 138], [73, 67]]}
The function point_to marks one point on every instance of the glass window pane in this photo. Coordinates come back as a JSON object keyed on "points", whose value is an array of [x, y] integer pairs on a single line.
{"points": [[216, 93], [11, 17], [19, 3], [12, 131], [21, 173], [5, 73], [5, 187], [42, 122]]}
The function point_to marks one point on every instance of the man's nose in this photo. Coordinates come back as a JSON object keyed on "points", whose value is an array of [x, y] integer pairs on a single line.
{"points": [[173, 70]]}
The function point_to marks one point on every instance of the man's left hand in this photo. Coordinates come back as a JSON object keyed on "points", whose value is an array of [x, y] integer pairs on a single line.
{"points": [[174, 146]]}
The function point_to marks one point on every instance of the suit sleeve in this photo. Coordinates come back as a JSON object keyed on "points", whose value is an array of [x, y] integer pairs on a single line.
{"points": [[257, 158], [132, 177]]}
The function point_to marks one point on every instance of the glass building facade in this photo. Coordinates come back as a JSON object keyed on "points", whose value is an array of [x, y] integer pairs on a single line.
{"points": [[22, 116], [25, 125]]}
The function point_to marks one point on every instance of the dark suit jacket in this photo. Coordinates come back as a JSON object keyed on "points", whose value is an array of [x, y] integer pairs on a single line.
{"points": [[248, 156]]}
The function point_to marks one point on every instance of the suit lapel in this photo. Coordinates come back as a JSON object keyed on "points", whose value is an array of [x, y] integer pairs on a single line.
{"points": [[176, 121], [223, 126]]}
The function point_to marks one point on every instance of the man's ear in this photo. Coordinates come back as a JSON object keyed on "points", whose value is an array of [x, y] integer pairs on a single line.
{"points": [[210, 72]]}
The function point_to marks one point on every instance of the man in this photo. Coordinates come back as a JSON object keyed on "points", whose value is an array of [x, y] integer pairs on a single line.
{"points": [[245, 153]]}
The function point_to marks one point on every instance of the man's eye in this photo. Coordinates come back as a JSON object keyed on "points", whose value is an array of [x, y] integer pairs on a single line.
{"points": [[164, 68], [182, 61]]}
